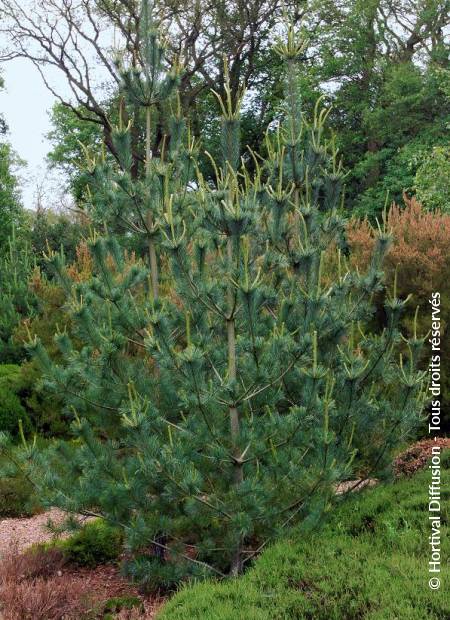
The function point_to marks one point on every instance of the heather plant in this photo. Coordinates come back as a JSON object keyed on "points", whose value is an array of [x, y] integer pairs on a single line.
{"points": [[419, 251], [418, 262], [32, 589], [221, 391]]}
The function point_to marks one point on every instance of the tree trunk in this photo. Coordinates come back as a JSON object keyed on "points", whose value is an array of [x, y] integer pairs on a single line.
{"points": [[149, 218], [238, 474]]}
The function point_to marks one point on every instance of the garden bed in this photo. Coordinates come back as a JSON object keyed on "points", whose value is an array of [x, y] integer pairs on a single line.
{"points": [[389, 517]]}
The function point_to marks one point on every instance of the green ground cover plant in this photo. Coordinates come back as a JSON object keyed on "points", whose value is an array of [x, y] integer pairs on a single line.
{"points": [[118, 603], [369, 562]]}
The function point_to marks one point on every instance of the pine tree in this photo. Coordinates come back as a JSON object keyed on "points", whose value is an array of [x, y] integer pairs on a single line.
{"points": [[226, 405], [120, 196]]}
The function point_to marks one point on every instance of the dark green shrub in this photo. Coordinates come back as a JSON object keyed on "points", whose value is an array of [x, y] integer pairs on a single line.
{"points": [[96, 543], [11, 406], [38, 410], [11, 411], [44, 409], [17, 497]]}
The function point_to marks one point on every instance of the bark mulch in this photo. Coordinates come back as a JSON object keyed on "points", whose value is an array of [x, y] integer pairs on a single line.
{"points": [[417, 456]]}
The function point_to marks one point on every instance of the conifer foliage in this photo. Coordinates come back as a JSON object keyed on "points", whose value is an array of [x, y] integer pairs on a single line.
{"points": [[221, 390]]}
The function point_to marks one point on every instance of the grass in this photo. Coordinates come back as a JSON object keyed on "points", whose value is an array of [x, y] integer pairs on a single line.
{"points": [[370, 562]]}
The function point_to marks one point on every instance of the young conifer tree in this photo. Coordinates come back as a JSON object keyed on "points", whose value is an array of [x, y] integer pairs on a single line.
{"points": [[226, 405], [119, 197]]}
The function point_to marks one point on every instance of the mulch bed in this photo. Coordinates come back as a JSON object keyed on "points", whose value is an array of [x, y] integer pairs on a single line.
{"points": [[22, 532], [105, 582], [417, 456], [44, 587]]}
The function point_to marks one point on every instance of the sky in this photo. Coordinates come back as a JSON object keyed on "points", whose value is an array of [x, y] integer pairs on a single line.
{"points": [[25, 103]]}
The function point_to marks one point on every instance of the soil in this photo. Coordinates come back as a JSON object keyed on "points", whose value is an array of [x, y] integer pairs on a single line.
{"points": [[105, 582]]}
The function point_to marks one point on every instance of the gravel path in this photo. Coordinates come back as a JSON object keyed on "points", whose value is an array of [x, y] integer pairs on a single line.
{"points": [[28, 531]]}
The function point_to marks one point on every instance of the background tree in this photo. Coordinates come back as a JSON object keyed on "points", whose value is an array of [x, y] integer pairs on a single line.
{"points": [[432, 179], [16, 299], [12, 216], [52, 231], [16, 262], [3, 124], [67, 136], [379, 61], [11, 210], [75, 37]]}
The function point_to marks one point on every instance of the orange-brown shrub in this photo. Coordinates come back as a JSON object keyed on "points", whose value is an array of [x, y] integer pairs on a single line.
{"points": [[420, 252], [420, 249], [32, 587], [81, 269]]}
